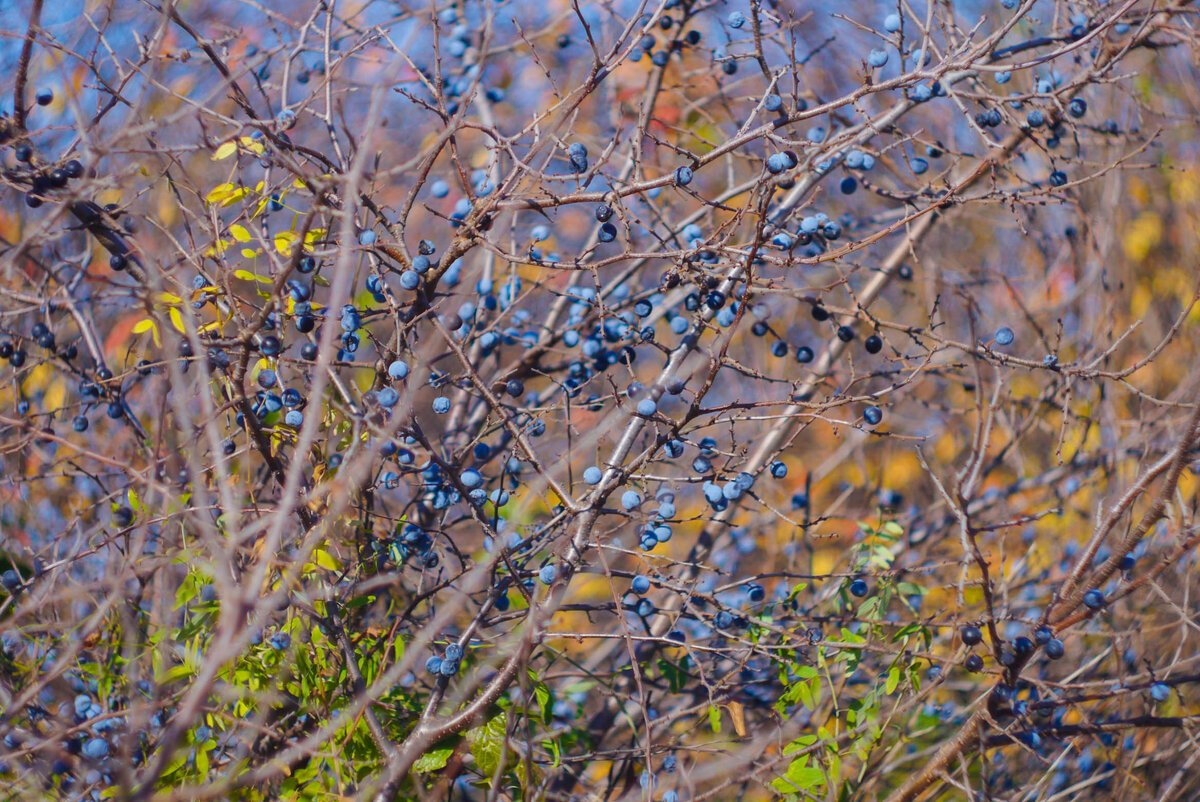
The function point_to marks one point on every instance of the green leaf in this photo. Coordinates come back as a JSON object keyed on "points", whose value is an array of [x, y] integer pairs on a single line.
{"points": [[675, 677], [893, 680], [544, 699], [487, 743], [433, 760], [799, 777], [714, 718], [807, 691]]}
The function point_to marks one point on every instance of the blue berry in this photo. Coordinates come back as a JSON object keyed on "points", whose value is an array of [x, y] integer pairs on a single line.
{"points": [[640, 585], [294, 418], [631, 499], [441, 405], [891, 23], [859, 588], [647, 407], [95, 748], [778, 469], [877, 57], [1004, 336], [873, 415], [1160, 692], [1094, 599], [366, 237], [1055, 649], [548, 574], [736, 19], [772, 102], [397, 370], [592, 475], [683, 175]]}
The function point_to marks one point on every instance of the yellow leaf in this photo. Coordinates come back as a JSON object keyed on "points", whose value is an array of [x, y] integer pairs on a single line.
{"points": [[234, 196], [219, 193], [246, 275], [325, 560], [225, 151], [169, 298], [149, 325], [210, 326], [249, 253], [284, 241], [239, 233], [176, 319], [253, 145]]}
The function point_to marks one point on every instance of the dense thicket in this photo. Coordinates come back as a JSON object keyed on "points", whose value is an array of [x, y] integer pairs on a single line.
{"points": [[613, 400]]}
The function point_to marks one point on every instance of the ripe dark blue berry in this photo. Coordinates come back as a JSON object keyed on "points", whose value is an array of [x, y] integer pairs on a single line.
{"points": [[873, 344], [270, 345], [971, 635], [859, 588]]}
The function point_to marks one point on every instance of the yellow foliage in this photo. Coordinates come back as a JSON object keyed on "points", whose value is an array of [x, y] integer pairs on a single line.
{"points": [[1185, 189], [1142, 236]]}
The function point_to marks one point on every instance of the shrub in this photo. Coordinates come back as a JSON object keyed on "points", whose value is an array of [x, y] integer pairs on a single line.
{"points": [[498, 399]]}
